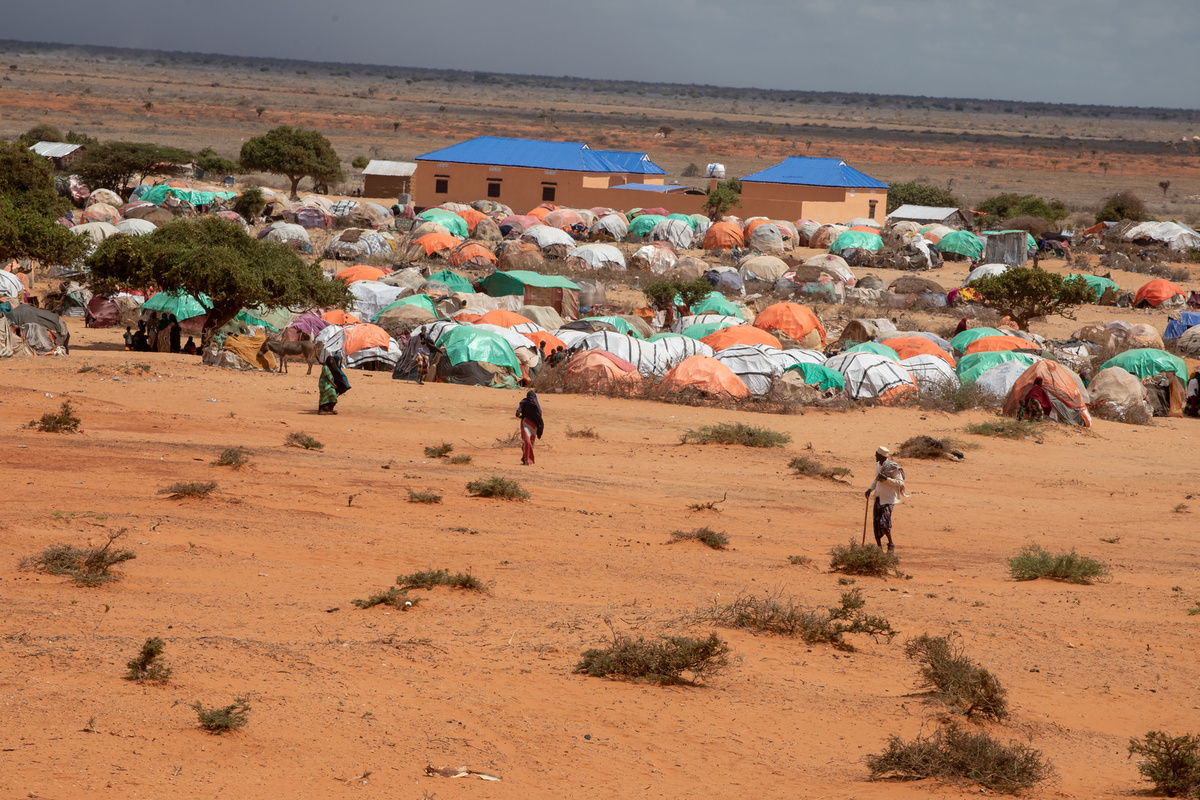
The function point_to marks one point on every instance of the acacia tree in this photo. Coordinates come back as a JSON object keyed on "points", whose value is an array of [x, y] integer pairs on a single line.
{"points": [[113, 165], [920, 194], [724, 196], [28, 209], [295, 153], [1026, 294], [215, 257], [661, 295]]}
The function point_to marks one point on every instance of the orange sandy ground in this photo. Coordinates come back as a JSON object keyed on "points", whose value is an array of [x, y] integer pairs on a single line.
{"points": [[251, 591]]}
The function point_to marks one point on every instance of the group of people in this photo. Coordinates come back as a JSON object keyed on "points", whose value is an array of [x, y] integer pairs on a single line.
{"points": [[163, 337]]}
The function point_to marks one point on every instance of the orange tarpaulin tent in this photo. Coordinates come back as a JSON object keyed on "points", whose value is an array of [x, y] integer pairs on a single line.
{"points": [[467, 252], [597, 369], [552, 341], [740, 334], [1059, 383], [433, 242], [466, 316], [909, 346], [364, 335], [723, 236], [338, 317], [791, 319], [996, 344], [360, 272], [1157, 292], [541, 211], [706, 374], [503, 318], [471, 217], [562, 218]]}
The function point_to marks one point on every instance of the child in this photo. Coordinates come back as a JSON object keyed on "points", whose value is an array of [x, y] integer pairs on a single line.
{"points": [[128, 338]]}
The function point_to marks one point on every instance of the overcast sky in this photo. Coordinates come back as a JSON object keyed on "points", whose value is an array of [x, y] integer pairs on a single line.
{"points": [[1114, 52]]}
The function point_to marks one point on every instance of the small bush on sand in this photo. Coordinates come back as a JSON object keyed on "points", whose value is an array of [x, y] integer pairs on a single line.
{"points": [[929, 448], [428, 496], [810, 468], [706, 536], [951, 396], [302, 439], [500, 488], [663, 661], [236, 457], [1033, 562], [1006, 428], [147, 667], [392, 596], [953, 754], [441, 451], [784, 616], [800, 561], [428, 579], [461, 459], [64, 421], [223, 720], [959, 682], [582, 433], [863, 559], [735, 433], [1171, 763], [197, 489], [90, 566]]}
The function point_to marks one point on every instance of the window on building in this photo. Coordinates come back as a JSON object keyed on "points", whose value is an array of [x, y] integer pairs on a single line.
{"points": [[871, 210], [548, 191], [441, 184], [493, 189]]}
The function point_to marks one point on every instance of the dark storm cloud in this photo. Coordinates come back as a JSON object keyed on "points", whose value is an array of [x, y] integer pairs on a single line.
{"points": [[1063, 51]]}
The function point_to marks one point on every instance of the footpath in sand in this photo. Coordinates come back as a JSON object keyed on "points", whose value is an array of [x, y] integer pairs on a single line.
{"points": [[251, 589]]}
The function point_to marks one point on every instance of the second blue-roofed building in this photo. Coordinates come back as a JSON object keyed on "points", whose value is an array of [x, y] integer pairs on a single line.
{"points": [[821, 189]]}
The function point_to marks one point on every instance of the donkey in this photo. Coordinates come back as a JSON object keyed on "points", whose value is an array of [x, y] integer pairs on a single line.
{"points": [[310, 351]]}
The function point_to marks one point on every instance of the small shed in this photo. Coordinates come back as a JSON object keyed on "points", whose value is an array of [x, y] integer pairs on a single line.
{"points": [[930, 215], [61, 153], [388, 178], [554, 291], [1008, 247]]}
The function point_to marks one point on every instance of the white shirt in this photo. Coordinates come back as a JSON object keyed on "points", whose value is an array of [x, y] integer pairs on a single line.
{"points": [[1193, 387], [887, 490]]}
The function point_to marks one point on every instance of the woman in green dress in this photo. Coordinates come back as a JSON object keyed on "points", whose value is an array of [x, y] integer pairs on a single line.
{"points": [[332, 384]]}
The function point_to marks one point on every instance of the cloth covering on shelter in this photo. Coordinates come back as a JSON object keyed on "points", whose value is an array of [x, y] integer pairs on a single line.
{"points": [[704, 374], [598, 370], [869, 375], [1067, 395], [247, 347]]}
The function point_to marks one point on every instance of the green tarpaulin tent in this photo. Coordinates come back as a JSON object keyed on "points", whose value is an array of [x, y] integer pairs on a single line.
{"points": [[819, 375], [877, 349], [468, 343], [159, 194], [1147, 362], [716, 303], [641, 226], [621, 325], [702, 329], [422, 300], [964, 243], [1097, 284], [181, 305], [456, 282], [684, 218], [856, 240], [962, 341], [275, 319], [500, 284], [972, 366]]}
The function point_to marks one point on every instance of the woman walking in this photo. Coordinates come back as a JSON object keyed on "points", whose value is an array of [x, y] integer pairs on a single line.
{"points": [[529, 411], [331, 384]]}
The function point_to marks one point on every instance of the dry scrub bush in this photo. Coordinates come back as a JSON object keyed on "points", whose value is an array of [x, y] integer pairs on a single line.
{"points": [[147, 667], [706, 536], [784, 616], [500, 488], [64, 421], [927, 447], [1033, 562], [807, 467], [460, 459], [1171, 763], [863, 559], [735, 433], [223, 720], [428, 579], [303, 440], [391, 596], [1006, 428], [236, 457], [662, 661], [86, 566], [441, 451], [953, 754], [429, 497], [953, 397], [196, 489], [958, 681]]}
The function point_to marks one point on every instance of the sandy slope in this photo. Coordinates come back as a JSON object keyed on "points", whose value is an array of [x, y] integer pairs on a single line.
{"points": [[243, 589]]}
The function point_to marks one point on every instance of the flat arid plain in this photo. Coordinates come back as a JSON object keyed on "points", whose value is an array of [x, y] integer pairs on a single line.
{"points": [[251, 589]]}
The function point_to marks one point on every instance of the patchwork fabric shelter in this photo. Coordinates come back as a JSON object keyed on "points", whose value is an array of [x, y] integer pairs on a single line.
{"points": [[1067, 396], [704, 374], [869, 376]]}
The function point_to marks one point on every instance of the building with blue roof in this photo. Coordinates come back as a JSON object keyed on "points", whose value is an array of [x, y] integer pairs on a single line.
{"points": [[521, 173], [821, 189]]}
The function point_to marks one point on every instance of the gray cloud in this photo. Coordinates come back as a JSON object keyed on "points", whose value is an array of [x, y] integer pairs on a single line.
{"points": [[1060, 51]]}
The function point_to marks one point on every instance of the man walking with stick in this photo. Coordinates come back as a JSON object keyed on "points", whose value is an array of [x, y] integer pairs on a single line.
{"points": [[888, 488]]}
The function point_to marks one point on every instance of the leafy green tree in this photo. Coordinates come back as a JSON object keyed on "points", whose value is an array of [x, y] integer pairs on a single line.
{"points": [[661, 295], [210, 161], [295, 153], [73, 137], [29, 207], [1009, 205], [722, 197], [360, 162], [920, 194], [42, 132], [213, 256], [113, 165], [250, 203], [1026, 294], [1122, 205]]}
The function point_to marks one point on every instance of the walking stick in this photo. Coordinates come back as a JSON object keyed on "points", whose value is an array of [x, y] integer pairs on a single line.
{"points": [[866, 516]]}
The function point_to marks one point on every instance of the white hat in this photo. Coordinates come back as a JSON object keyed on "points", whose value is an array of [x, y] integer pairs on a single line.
{"points": [[883, 451]]}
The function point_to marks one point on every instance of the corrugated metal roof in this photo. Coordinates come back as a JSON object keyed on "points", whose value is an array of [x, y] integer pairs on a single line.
{"points": [[401, 169], [533, 153], [922, 213], [631, 162], [650, 187], [804, 171], [54, 149]]}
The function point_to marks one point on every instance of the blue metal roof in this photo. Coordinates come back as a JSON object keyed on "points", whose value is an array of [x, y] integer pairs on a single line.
{"points": [[816, 172], [503, 152], [633, 163], [650, 187]]}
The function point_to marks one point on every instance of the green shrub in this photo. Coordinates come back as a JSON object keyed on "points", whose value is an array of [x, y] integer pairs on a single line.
{"points": [[250, 204], [953, 754], [64, 421], [951, 396], [863, 559], [735, 433], [706, 536], [1033, 562], [500, 488], [302, 439], [958, 681], [146, 667], [428, 579], [807, 467], [89, 566], [392, 596], [461, 459], [1171, 763], [920, 193], [223, 720], [441, 451], [1122, 205], [784, 616], [428, 496], [663, 661], [197, 489], [236, 457]]}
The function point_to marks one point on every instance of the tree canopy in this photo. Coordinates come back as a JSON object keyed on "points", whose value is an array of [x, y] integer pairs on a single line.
{"points": [[29, 207], [213, 256], [661, 294], [1009, 205], [211, 161], [920, 194], [724, 196], [113, 165], [1122, 205], [1026, 294], [295, 153]]}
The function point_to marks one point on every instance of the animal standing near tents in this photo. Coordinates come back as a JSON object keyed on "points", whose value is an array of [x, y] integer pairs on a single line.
{"points": [[309, 351]]}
